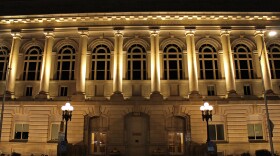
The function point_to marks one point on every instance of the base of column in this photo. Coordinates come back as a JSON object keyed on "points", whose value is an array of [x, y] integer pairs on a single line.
{"points": [[195, 95], [117, 96], [9, 95], [42, 96], [232, 95], [79, 96], [270, 95], [156, 96]]}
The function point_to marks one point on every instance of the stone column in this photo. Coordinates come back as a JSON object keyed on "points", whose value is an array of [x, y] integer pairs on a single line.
{"points": [[155, 66], [192, 64], [81, 66], [13, 62], [46, 66], [263, 58], [118, 67], [228, 64]]}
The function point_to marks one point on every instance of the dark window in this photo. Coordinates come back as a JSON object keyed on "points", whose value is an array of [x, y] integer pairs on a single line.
{"points": [[136, 63], [274, 60], [216, 132], [28, 91], [247, 89], [211, 90], [255, 132], [4, 61], [21, 131], [100, 63], [208, 62], [172, 60], [32, 63], [66, 63], [63, 91]]}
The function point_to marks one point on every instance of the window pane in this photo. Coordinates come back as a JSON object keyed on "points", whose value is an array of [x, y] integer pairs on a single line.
{"points": [[220, 132], [251, 133], [212, 132], [54, 131]]}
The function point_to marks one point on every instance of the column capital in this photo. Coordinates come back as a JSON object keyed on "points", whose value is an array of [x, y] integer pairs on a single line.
{"points": [[259, 32], [83, 31], [190, 31], [49, 32], [154, 32], [225, 32], [16, 34]]}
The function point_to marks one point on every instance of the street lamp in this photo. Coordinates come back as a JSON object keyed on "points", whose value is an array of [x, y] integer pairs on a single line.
{"points": [[66, 115], [206, 111]]}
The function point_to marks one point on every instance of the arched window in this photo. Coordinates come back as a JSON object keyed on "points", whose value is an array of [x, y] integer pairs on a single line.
{"points": [[100, 63], [208, 61], [243, 62], [136, 63], [66, 63], [172, 62], [32, 63], [274, 60], [4, 61]]}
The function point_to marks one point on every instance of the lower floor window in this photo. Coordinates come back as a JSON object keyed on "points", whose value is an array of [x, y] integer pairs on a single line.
{"points": [[255, 132], [98, 142], [175, 143], [216, 132], [21, 131]]}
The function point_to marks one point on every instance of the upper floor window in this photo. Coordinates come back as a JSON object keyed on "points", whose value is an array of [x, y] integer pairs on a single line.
{"points": [[211, 90], [136, 63], [4, 61], [243, 62], [172, 62], [100, 63], [66, 63], [208, 62], [32, 63], [63, 91], [28, 91], [274, 60]]}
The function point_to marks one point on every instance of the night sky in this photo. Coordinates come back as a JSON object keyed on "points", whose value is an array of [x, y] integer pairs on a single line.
{"points": [[21, 7]]}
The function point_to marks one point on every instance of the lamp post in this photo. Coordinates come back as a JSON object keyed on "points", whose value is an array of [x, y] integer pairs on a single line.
{"points": [[206, 111], [66, 115], [269, 123]]}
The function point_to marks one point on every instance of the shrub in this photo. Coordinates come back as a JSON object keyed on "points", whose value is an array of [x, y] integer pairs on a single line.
{"points": [[262, 152], [245, 154]]}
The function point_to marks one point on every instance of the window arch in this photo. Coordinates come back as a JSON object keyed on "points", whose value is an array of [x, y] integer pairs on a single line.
{"points": [[66, 63], [100, 63], [208, 61], [4, 61], [136, 63], [32, 63], [243, 62], [172, 62], [274, 60]]}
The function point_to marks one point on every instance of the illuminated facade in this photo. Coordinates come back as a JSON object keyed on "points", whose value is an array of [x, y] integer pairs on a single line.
{"points": [[136, 81]]}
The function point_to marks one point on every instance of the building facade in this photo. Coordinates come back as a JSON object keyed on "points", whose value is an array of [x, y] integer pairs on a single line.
{"points": [[137, 80]]}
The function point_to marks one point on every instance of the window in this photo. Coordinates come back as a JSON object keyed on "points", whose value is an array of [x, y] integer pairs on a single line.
{"points": [[21, 132], [54, 132], [176, 127], [136, 63], [175, 143], [211, 90], [172, 62], [255, 132], [247, 89], [63, 91], [28, 91], [4, 61], [32, 63], [208, 61], [274, 60], [98, 143], [243, 62], [216, 132], [66, 63], [100, 63], [99, 127]]}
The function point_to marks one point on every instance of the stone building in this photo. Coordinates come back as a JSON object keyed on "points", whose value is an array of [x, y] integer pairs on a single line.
{"points": [[136, 81]]}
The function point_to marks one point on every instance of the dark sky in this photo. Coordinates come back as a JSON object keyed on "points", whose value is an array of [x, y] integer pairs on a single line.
{"points": [[20, 7]]}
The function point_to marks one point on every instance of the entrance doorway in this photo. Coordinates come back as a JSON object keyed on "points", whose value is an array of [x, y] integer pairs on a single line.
{"points": [[137, 134]]}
